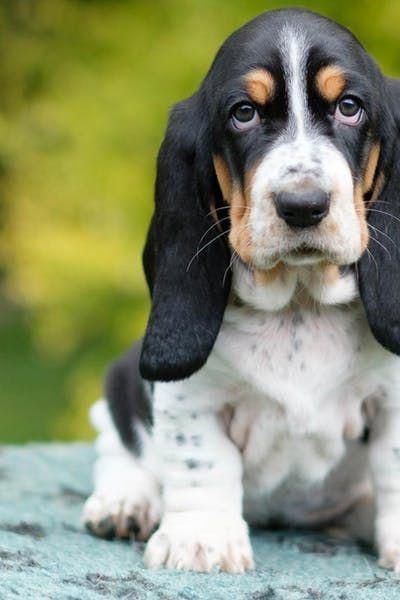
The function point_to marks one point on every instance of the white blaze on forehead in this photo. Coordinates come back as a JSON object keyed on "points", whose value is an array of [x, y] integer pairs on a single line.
{"points": [[302, 158], [294, 55]]}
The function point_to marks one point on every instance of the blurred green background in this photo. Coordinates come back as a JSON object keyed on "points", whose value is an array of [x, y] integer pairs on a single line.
{"points": [[85, 87]]}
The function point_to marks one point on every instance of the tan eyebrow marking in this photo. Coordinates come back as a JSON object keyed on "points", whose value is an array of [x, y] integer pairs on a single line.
{"points": [[223, 177], [370, 168], [330, 82], [260, 85]]}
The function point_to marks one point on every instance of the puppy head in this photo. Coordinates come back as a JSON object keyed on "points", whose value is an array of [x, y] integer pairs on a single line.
{"points": [[276, 159], [297, 135]]}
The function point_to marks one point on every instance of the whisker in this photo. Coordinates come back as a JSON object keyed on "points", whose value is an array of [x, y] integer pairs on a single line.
{"points": [[214, 210], [234, 258], [382, 212], [373, 258], [382, 246], [212, 227], [203, 248], [379, 231]]}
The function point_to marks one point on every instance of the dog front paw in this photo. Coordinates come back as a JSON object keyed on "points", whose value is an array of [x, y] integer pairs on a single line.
{"points": [[389, 558], [388, 542], [124, 510], [199, 541]]}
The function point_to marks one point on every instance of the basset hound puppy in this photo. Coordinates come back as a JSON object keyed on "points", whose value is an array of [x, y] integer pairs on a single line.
{"points": [[266, 389]]}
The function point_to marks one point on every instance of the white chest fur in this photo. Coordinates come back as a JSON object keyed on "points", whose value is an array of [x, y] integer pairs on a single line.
{"points": [[299, 378]]}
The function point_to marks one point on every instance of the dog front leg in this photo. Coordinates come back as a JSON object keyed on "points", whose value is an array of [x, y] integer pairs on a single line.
{"points": [[202, 525], [385, 464]]}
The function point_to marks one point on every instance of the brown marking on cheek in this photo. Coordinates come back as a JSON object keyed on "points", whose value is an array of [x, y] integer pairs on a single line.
{"points": [[380, 182], [370, 168], [361, 214], [224, 177], [240, 235], [260, 85], [330, 82]]}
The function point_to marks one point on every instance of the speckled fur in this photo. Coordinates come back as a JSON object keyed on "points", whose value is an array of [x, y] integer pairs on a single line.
{"points": [[262, 418], [280, 410]]}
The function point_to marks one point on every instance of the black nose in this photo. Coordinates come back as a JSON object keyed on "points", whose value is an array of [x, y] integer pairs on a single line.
{"points": [[302, 209]]}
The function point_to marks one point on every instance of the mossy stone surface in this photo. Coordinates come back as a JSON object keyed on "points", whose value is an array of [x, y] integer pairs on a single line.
{"points": [[46, 553]]}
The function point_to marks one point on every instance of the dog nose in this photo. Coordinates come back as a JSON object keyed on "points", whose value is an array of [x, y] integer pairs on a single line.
{"points": [[302, 209]]}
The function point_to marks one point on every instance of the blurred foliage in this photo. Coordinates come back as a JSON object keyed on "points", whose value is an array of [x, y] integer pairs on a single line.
{"points": [[85, 87]]}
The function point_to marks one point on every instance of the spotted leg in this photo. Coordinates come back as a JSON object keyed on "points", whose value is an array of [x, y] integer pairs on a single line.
{"points": [[202, 526], [385, 463]]}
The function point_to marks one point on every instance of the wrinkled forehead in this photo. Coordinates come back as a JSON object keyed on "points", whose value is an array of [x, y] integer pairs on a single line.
{"points": [[289, 44]]}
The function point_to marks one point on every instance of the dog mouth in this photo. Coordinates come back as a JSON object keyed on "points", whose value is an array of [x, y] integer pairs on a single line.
{"points": [[304, 255], [299, 256]]}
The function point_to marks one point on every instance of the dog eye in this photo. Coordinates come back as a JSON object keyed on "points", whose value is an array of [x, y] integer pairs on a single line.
{"points": [[244, 116], [349, 111]]}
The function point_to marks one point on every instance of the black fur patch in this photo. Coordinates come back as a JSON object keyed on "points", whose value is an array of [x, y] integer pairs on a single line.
{"points": [[128, 400]]}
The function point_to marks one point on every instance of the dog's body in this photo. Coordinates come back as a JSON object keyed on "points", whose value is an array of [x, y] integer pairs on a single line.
{"points": [[273, 398]]}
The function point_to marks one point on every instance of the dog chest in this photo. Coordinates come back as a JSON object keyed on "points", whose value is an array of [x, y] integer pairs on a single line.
{"points": [[297, 356], [299, 402]]}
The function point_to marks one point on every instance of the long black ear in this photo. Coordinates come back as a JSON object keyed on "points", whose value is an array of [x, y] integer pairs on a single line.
{"points": [[189, 286], [379, 267]]}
